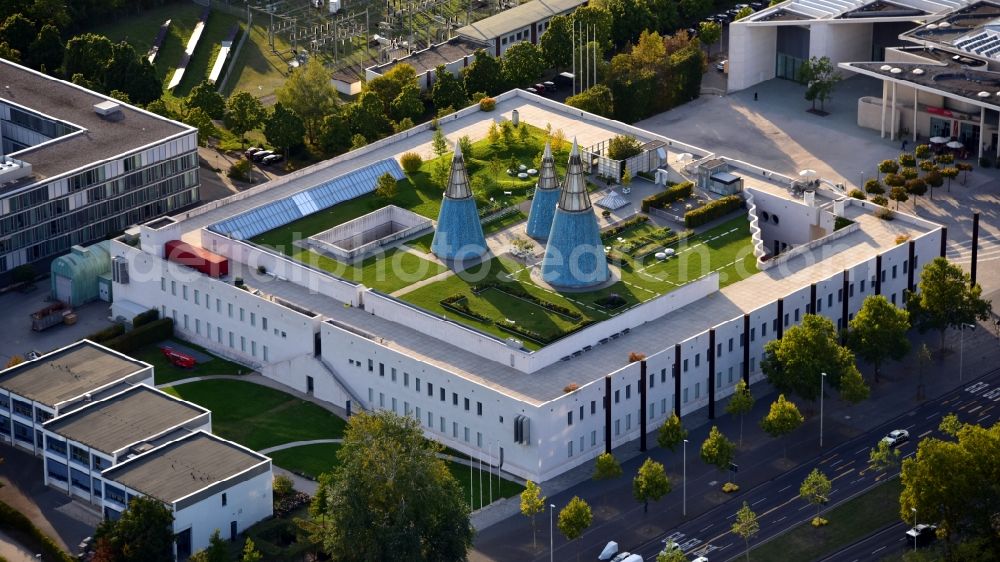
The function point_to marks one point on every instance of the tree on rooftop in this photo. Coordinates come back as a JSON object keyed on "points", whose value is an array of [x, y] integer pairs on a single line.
{"points": [[878, 332], [945, 299]]}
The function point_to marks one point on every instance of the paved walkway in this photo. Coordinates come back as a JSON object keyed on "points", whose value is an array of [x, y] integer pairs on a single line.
{"points": [[293, 444]]}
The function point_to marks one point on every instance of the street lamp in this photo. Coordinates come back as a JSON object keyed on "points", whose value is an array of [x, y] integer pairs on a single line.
{"points": [[552, 508], [961, 348], [822, 386], [685, 479], [914, 510]]}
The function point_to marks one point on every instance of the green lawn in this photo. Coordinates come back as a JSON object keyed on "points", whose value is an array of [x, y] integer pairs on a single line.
{"points": [[165, 372], [257, 416], [718, 249], [849, 522], [313, 460]]}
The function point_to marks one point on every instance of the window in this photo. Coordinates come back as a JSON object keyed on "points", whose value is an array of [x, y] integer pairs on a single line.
{"points": [[22, 409], [685, 396], [242, 314], [184, 292], [718, 379], [581, 413], [893, 272], [819, 305], [479, 439], [55, 445], [229, 307], [850, 292], [796, 315], [163, 284], [829, 300], [685, 365], [99, 463], [265, 353], [763, 329], [593, 407], [697, 390], [392, 374], [454, 399], [467, 404], [115, 494], [224, 499], [905, 264], [393, 404], [243, 344], [442, 422], [371, 366], [263, 323], [569, 417], [79, 456], [253, 319], [443, 394], [454, 429], [430, 390], [663, 375], [416, 384], [173, 288], [784, 321], [628, 391], [569, 448], [371, 396], [730, 345], [618, 427], [617, 396], [863, 285], [628, 422], [381, 369], [381, 400], [466, 434], [593, 438], [57, 470], [479, 408], [430, 419], [697, 359], [753, 334]]}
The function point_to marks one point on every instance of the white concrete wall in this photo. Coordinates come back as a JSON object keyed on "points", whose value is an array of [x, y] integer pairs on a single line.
{"points": [[246, 503], [752, 52], [841, 40]]}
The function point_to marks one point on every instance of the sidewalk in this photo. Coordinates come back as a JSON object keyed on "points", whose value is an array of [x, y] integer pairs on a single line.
{"points": [[759, 459]]}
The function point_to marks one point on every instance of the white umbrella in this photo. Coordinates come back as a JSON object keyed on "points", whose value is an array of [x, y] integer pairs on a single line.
{"points": [[807, 174], [955, 144], [938, 140]]}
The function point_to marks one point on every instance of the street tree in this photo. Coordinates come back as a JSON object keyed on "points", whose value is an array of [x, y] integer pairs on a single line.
{"points": [[651, 483], [709, 32], [447, 90], [883, 457], [250, 552], [671, 553], [949, 172], [483, 73], [204, 96], [853, 388], [934, 179], [532, 503], [309, 93], [522, 64], [820, 77], [244, 113], [951, 482], [874, 187], [606, 467], [574, 518], [717, 450], [746, 526], [783, 418], [815, 489], [390, 497], [671, 434], [143, 533], [386, 187], [284, 129], [557, 42], [878, 332], [793, 363], [740, 404], [950, 425], [946, 299]]}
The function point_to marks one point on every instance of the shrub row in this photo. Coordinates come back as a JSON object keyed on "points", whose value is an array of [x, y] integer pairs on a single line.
{"points": [[11, 519], [519, 292], [623, 226], [664, 198], [290, 503], [712, 210], [144, 318], [153, 332], [107, 334], [459, 304]]}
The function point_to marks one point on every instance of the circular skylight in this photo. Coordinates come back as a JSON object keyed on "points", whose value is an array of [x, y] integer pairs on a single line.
{"points": [[944, 24], [918, 71], [885, 67], [983, 94], [896, 70], [932, 26]]}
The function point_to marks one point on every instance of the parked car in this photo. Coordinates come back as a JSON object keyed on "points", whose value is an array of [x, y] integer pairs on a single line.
{"points": [[251, 151], [531, 90], [621, 557], [549, 85], [758, 5], [721, 65], [723, 18], [272, 159], [692, 32], [896, 438], [700, 559], [922, 534], [541, 88], [258, 156]]}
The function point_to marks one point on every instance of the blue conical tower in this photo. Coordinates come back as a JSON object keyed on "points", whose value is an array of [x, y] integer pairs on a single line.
{"points": [[574, 255], [543, 206], [459, 234]]}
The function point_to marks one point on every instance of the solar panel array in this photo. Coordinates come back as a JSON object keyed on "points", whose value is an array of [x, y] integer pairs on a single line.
{"points": [[283, 211]]}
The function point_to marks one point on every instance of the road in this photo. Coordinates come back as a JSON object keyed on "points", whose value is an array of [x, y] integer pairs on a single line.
{"points": [[886, 542], [777, 502]]}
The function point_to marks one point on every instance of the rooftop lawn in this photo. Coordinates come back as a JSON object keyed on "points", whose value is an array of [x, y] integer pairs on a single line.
{"points": [[258, 416], [386, 272], [313, 460], [714, 250], [166, 372]]}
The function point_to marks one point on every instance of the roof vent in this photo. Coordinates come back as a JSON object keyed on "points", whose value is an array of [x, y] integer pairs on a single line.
{"points": [[107, 108], [13, 170]]}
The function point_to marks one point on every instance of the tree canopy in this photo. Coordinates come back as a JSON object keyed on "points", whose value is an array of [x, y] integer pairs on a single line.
{"points": [[204, 96], [390, 497], [532, 503], [483, 73], [574, 518], [447, 90], [945, 299], [671, 434], [793, 363], [283, 128], [522, 65], [651, 483], [740, 404], [878, 331], [820, 77], [815, 489], [309, 94], [244, 113], [717, 450], [557, 43], [606, 467], [746, 526], [596, 100], [143, 533]]}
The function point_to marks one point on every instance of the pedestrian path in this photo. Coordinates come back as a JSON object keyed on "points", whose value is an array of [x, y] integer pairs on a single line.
{"points": [[294, 444]]}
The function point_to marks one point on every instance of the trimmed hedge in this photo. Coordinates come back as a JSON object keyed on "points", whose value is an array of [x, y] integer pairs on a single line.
{"points": [[13, 520], [107, 334], [153, 332], [143, 318], [712, 210], [664, 198]]}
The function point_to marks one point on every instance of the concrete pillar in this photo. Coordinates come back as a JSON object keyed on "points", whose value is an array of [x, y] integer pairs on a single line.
{"points": [[677, 379], [845, 303], [982, 129], [885, 100], [781, 318], [944, 241], [975, 248], [892, 116], [915, 98], [878, 274], [643, 414], [711, 374], [909, 272], [811, 309], [607, 414], [746, 349]]}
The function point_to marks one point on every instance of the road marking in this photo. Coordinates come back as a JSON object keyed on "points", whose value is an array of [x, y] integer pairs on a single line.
{"points": [[785, 488], [707, 527], [780, 520], [924, 434], [974, 409], [758, 501], [827, 459], [979, 421], [804, 507], [879, 549], [836, 463], [934, 415], [861, 450]]}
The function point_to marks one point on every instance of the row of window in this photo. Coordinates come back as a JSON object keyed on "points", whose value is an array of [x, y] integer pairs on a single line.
{"points": [[218, 307], [415, 412], [456, 400], [218, 334]]}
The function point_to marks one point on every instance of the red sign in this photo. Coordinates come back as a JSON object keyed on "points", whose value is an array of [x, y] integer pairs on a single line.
{"points": [[939, 111]]}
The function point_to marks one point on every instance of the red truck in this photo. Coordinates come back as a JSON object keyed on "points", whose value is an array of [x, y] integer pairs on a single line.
{"points": [[182, 360], [201, 259]]}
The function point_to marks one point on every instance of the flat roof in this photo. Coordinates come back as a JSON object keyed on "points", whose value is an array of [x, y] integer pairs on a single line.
{"points": [[852, 9], [101, 139], [516, 18], [973, 29], [139, 413], [183, 467], [428, 59], [979, 87], [68, 373]]}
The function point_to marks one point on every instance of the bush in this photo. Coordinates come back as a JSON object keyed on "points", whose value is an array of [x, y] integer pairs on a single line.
{"points": [[880, 200], [487, 104], [620, 227], [634, 356], [23, 274], [282, 487], [143, 318], [907, 160], [712, 210], [411, 162], [730, 487], [611, 302], [884, 214], [902, 238], [240, 170], [13, 520], [110, 333], [570, 387], [290, 503], [261, 270], [818, 522], [664, 198], [857, 194], [841, 222], [153, 332], [621, 147]]}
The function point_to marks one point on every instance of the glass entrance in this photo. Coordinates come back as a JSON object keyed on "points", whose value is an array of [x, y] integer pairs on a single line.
{"points": [[788, 67], [968, 134], [940, 127]]}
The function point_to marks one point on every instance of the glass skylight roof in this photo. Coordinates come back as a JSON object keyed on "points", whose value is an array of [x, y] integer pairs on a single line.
{"points": [[283, 211]]}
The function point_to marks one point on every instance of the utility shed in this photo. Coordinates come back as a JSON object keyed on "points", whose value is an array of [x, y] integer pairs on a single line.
{"points": [[76, 276]]}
